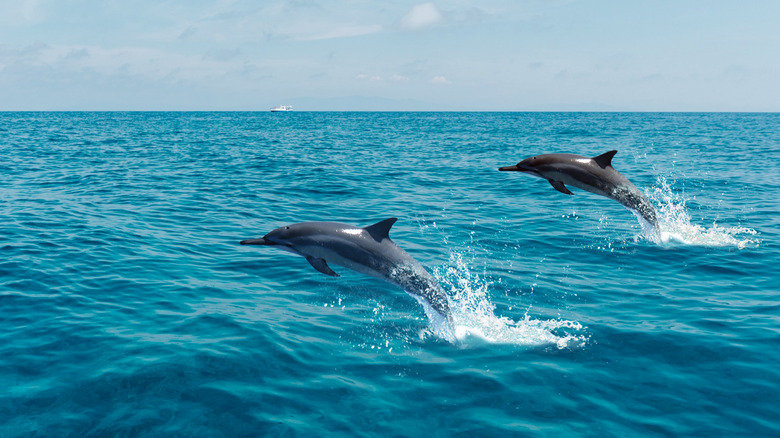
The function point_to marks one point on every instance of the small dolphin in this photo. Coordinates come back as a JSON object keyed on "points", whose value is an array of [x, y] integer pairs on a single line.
{"points": [[595, 175], [367, 250]]}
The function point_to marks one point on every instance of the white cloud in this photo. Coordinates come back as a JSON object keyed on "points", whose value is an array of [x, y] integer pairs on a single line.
{"points": [[343, 32], [421, 16], [139, 62], [375, 78], [439, 80], [27, 10], [365, 77]]}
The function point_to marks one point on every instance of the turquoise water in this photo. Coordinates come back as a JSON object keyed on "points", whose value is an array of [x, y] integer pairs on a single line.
{"points": [[128, 308]]}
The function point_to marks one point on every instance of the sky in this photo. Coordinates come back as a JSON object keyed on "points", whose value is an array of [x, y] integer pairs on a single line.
{"points": [[487, 55]]}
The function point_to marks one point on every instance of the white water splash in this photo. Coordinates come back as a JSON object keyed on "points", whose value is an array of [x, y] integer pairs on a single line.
{"points": [[476, 322], [675, 225]]}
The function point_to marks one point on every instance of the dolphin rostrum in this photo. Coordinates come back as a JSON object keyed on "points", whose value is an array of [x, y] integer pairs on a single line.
{"points": [[595, 175], [367, 250]]}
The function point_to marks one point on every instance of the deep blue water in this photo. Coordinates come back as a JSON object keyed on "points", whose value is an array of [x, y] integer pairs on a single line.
{"points": [[128, 308]]}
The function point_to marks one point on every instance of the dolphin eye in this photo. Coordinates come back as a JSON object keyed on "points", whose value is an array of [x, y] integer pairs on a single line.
{"points": [[286, 228]]}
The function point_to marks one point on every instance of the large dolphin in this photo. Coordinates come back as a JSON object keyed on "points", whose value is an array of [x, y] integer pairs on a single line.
{"points": [[595, 175], [367, 250]]}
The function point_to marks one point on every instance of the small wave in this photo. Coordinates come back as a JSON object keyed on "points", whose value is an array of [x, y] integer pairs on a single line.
{"points": [[476, 322], [675, 224]]}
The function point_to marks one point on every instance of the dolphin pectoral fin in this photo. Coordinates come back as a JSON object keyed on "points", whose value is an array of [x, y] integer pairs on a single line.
{"points": [[557, 185], [322, 266]]}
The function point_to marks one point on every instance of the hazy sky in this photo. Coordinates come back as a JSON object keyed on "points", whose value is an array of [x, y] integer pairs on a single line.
{"points": [[486, 55]]}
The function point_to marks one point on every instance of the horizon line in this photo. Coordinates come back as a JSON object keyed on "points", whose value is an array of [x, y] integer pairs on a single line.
{"points": [[380, 111]]}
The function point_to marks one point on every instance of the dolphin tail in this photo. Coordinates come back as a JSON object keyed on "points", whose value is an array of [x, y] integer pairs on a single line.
{"points": [[637, 202]]}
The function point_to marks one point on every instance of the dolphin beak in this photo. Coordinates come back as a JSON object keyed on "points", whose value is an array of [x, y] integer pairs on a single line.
{"points": [[516, 168], [260, 241], [519, 167]]}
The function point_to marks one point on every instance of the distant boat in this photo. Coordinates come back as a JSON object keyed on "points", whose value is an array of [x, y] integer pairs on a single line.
{"points": [[279, 108]]}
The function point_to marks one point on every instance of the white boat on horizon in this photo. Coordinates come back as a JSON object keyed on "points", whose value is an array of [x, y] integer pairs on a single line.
{"points": [[280, 108]]}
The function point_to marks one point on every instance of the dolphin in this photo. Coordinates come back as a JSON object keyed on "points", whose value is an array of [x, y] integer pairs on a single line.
{"points": [[595, 175], [367, 250]]}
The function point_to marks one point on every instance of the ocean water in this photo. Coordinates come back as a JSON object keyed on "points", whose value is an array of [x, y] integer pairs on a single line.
{"points": [[128, 307]]}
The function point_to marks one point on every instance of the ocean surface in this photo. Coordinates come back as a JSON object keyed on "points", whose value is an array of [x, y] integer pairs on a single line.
{"points": [[128, 307]]}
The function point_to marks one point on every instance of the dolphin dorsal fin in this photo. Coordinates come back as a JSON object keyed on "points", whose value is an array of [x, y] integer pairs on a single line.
{"points": [[604, 160], [381, 230]]}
